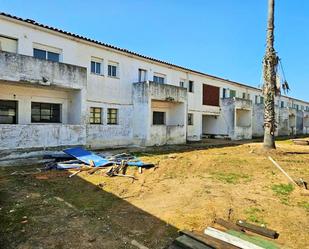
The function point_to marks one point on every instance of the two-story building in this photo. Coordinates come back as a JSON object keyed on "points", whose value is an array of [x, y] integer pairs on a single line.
{"points": [[62, 89]]}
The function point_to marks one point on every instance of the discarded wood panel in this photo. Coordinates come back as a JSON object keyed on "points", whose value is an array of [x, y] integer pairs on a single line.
{"points": [[300, 142], [278, 166], [230, 239], [138, 245], [258, 229], [208, 240], [187, 242], [228, 225], [255, 240]]}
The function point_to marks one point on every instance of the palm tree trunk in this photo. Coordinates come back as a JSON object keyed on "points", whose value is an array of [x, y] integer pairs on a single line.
{"points": [[269, 87]]}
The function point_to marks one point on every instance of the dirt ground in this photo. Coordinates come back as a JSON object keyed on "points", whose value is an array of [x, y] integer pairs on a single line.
{"points": [[186, 190]]}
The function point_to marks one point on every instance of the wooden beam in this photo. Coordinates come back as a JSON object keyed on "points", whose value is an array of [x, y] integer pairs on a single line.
{"points": [[228, 225], [230, 239], [258, 229]]}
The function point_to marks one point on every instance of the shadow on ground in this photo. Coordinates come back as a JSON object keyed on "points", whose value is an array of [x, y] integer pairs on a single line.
{"points": [[50, 210]]}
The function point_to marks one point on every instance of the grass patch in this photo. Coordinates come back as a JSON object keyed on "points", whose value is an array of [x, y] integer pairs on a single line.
{"points": [[231, 178], [304, 204], [254, 215], [282, 189]]}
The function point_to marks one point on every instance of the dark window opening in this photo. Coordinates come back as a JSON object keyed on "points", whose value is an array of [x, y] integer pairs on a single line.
{"points": [[45, 55], [95, 115], [8, 112], [191, 83], [190, 119], [112, 116], [45, 113], [158, 79], [158, 118], [112, 70]]}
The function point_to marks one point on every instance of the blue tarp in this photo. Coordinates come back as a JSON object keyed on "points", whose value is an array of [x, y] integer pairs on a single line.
{"points": [[87, 156]]}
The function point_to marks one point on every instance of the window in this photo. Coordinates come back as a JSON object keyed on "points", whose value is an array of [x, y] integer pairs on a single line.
{"points": [[112, 116], [112, 69], [261, 100], [46, 55], [45, 113], [8, 112], [224, 93], [96, 66], [182, 83], [142, 75], [159, 79], [191, 83], [256, 99], [190, 118], [158, 118], [95, 115], [282, 104], [8, 44], [232, 93]]}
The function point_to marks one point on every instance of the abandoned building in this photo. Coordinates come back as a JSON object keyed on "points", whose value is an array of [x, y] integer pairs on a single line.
{"points": [[62, 89]]}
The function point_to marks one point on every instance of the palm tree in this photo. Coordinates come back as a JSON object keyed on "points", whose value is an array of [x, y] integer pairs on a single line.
{"points": [[270, 88]]}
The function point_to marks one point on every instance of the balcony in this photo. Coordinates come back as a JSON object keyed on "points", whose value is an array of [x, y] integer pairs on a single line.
{"points": [[24, 69], [156, 91]]}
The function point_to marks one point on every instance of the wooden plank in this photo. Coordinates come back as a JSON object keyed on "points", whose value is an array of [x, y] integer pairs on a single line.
{"points": [[255, 240], [230, 239], [258, 229], [228, 225], [187, 242], [208, 240]]}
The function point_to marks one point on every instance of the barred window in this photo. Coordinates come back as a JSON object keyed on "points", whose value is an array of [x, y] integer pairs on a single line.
{"points": [[95, 115], [158, 118], [112, 116]]}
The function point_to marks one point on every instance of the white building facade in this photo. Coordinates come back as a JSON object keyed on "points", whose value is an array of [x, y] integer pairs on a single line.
{"points": [[61, 89]]}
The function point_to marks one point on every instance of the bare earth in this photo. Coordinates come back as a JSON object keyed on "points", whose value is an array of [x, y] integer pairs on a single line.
{"points": [[186, 190]]}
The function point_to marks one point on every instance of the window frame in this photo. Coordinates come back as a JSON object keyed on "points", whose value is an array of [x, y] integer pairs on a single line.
{"points": [[47, 53], [161, 120], [158, 79], [112, 120], [58, 119], [93, 116], [15, 116]]}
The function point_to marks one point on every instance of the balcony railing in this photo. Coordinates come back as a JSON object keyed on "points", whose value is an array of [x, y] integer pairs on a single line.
{"points": [[29, 70]]}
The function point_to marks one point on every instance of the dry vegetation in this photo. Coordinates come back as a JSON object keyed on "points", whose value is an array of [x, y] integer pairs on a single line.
{"points": [[186, 191]]}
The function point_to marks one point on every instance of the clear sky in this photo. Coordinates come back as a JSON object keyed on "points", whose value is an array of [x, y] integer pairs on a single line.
{"points": [[225, 38]]}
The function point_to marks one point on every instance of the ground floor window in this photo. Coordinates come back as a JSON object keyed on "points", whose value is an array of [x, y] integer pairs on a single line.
{"points": [[158, 118], [8, 112], [190, 118], [45, 112], [112, 116], [95, 115]]}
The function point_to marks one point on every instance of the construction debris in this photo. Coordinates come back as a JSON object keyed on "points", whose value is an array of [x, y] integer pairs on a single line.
{"points": [[300, 141], [83, 160]]}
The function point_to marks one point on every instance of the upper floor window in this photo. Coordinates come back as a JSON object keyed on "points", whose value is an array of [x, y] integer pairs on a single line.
{"points": [[211, 95], [113, 68], [8, 112], [46, 52], [261, 100], [159, 78], [8, 44], [45, 112], [95, 115], [112, 116], [191, 86], [224, 93], [232, 93], [182, 83], [142, 75], [96, 66], [282, 104]]}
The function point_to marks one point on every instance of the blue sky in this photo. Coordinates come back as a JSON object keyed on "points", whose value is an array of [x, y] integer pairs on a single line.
{"points": [[225, 38]]}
